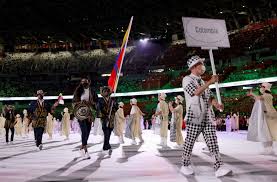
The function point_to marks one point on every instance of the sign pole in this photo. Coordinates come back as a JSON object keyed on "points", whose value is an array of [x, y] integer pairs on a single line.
{"points": [[214, 73]]}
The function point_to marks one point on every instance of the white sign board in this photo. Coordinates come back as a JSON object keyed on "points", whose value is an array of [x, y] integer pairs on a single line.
{"points": [[203, 32]]}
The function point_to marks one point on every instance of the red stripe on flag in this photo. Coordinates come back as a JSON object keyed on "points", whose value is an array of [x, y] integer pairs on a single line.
{"points": [[113, 78]]}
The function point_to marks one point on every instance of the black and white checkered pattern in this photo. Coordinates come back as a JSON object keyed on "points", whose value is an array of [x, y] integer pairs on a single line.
{"points": [[209, 133], [193, 60], [190, 89]]}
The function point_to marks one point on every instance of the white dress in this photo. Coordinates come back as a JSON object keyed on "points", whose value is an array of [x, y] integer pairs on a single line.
{"points": [[258, 129], [97, 127], [18, 126], [2, 124], [228, 124], [157, 123], [25, 125]]}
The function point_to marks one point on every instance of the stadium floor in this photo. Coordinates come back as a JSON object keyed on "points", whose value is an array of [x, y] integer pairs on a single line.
{"points": [[58, 161]]}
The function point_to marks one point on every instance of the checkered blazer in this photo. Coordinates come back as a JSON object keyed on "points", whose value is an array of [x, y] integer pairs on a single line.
{"points": [[198, 108]]}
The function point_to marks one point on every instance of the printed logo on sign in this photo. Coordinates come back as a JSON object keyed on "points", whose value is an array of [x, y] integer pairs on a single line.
{"points": [[205, 32]]}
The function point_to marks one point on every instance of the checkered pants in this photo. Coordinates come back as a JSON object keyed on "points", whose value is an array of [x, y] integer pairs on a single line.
{"points": [[209, 133]]}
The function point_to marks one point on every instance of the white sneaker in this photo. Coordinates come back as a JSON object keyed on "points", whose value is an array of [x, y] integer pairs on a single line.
{"points": [[121, 140], [141, 139], [103, 153], [82, 153], [187, 170], [40, 147], [222, 171], [178, 146], [87, 156], [164, 143], [11, 142], [267, 151], [134, 142], [161, 143]]}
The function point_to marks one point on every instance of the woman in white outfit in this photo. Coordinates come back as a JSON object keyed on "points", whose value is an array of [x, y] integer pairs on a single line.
{"points": [[18, 125], [66, 123], [228, 124], [263, 119], [2, 124], [178, 119], [162, 112], [119, 122], [25, 123], [50, 126], [233, 122], [135, 116]]}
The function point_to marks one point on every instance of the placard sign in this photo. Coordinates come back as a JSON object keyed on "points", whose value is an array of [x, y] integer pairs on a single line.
{"points": [[203, 32]]}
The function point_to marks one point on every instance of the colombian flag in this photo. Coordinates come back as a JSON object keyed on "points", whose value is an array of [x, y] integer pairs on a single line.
{"points": [[113, 80]]}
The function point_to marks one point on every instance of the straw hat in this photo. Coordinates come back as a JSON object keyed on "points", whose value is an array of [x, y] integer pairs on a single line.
{"points": [[65, 109], [133, 101], [267, 86], [162, 96], [25, 111], [180, 98], [121, 104]]}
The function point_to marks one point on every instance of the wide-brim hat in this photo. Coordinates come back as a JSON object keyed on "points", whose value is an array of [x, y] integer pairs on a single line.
{"points": [[180, 98], [9, 106], [162, 95], [25, 111], [194, 60], [121, 104], [65, 109], [133, 101], [267, 86], [40, 92]]}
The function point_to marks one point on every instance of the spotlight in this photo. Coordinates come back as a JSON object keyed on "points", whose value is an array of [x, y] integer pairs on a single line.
{"points": [[144, 40]]}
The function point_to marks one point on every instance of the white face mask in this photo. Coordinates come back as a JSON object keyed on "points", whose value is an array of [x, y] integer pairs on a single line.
{"points": [[203, 68]]}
